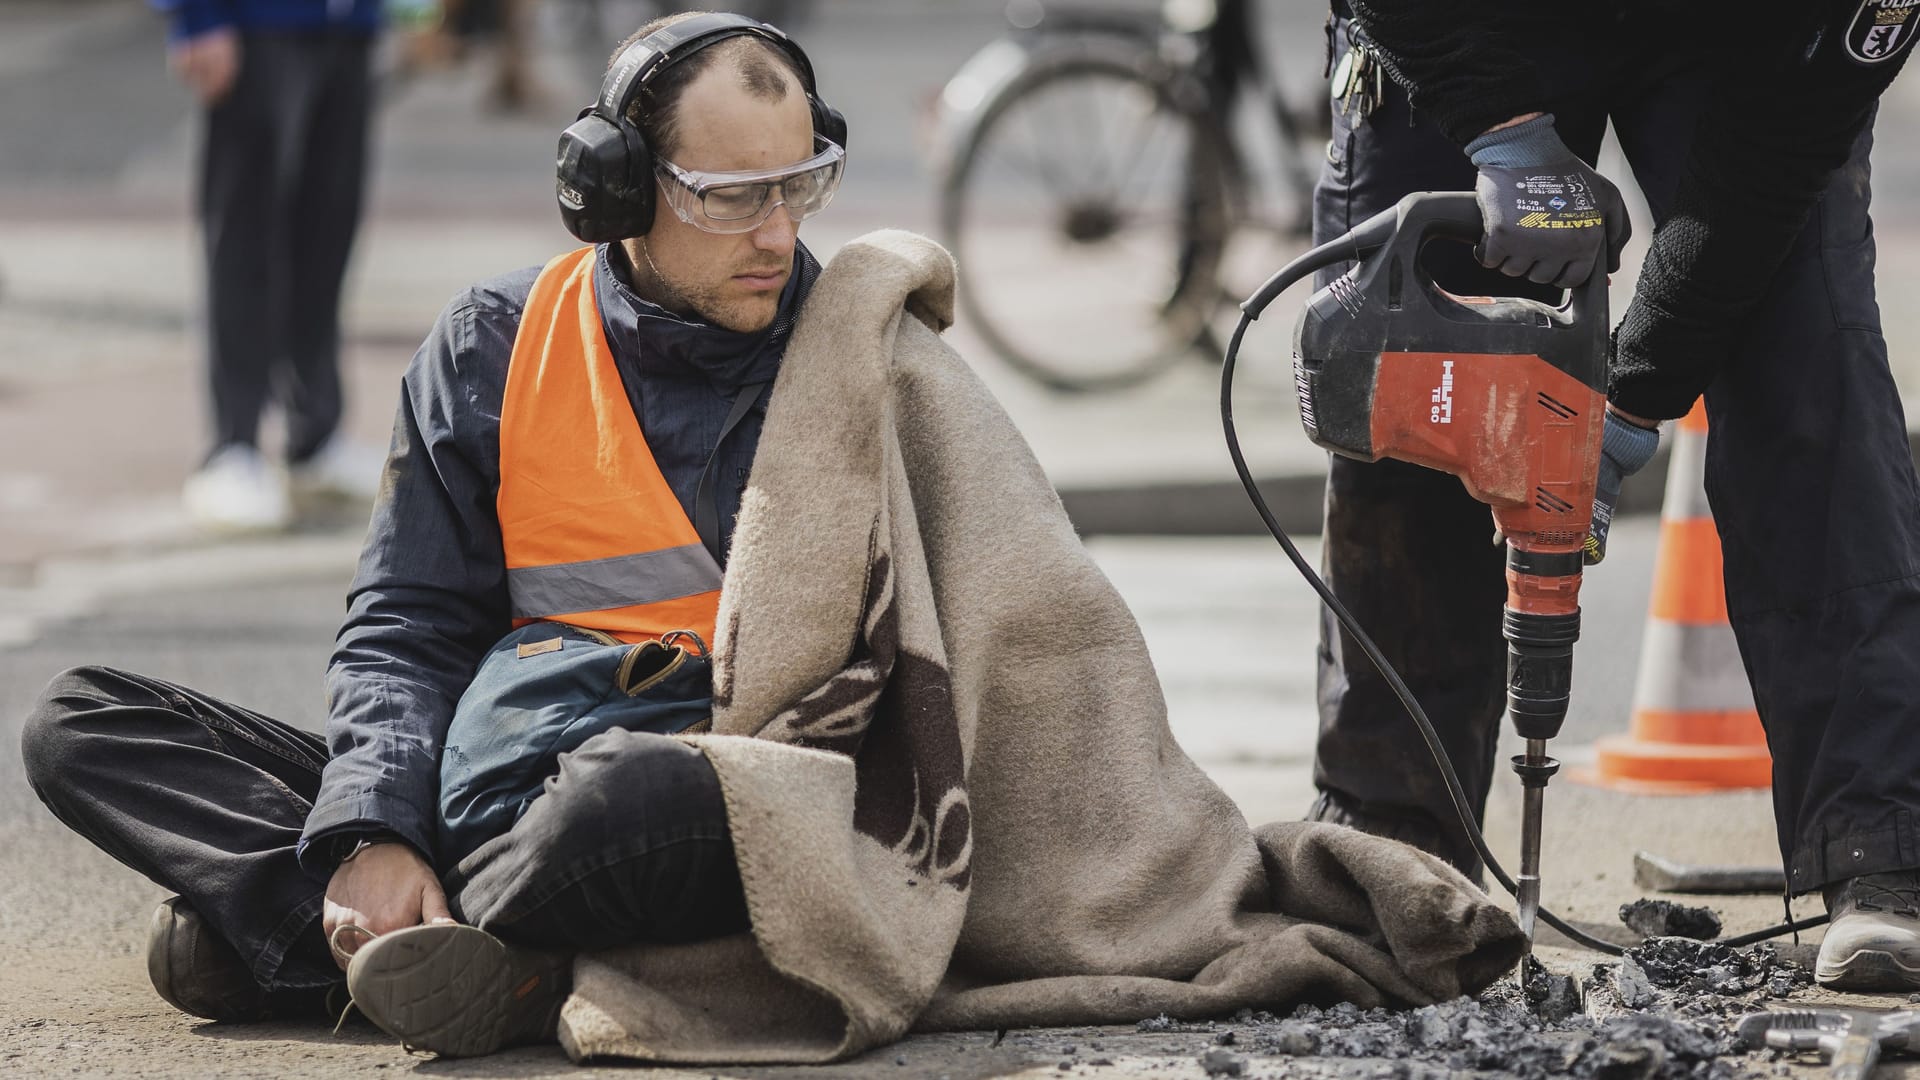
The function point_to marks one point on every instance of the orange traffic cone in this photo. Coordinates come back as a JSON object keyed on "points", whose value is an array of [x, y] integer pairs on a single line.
{"points": [[1694, 727]]}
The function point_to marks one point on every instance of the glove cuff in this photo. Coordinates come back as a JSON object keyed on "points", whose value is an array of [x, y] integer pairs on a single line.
{"points": [[1527, 145], [1628, 446]]}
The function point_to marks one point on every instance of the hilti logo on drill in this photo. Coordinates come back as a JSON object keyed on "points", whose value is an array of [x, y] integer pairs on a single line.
{"points": [[1442, 412]]}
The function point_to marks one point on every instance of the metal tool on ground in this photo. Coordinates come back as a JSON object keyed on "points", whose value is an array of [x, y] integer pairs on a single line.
{"points": [[1661, 874], [1504, 392], [1850, 1042]]}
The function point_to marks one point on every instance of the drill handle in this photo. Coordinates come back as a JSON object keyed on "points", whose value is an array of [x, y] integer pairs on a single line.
{"points": [[1455, 215]]}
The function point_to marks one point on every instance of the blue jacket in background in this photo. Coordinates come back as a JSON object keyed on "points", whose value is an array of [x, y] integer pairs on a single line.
{"points": [[193, 17]]}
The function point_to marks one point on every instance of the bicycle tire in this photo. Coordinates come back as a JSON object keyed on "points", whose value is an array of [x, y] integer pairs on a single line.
{"points": [[1167, 320]]}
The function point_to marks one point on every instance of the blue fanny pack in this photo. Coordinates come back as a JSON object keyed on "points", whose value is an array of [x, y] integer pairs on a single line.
{"points": [[543, 690]]}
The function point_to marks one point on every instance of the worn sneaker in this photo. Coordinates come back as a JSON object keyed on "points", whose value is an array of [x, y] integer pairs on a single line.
{"points": [[340, 469], [1873, 934], [238, 491], [195, 970], [458, 990]]}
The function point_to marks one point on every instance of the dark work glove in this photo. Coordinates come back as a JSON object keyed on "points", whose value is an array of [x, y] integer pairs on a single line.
{"points": [[1624, 449], [1549, 217]]}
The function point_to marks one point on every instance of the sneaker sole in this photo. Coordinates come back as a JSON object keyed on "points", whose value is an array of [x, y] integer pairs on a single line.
{"points": [[1867, 971], [456, 990]]}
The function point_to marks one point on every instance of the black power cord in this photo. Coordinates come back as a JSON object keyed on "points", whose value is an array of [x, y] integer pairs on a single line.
{"points": [[1344, 249]]}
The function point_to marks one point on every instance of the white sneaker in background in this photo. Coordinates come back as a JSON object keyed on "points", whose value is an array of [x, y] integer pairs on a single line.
{"points": [[340, 469], [238, 490]]}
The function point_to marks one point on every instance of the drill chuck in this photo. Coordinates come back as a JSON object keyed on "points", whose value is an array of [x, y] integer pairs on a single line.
{"points": [[1539, 670], [1541, 623]]}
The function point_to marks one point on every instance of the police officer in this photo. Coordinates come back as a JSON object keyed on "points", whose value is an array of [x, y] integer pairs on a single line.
{"points": [[1749, 134]]}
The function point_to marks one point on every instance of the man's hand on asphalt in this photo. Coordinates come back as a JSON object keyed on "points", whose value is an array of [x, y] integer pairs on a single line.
{"points": [[208, 62], [1626, 444], [384, 887], [1548, 216]]}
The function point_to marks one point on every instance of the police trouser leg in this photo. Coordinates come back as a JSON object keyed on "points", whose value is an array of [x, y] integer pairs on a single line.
{"points": [[1406, 549], [1811, 479], [204, 798]]}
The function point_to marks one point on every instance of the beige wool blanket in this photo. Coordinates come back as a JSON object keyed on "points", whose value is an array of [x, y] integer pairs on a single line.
{"points": [[954, 798]]}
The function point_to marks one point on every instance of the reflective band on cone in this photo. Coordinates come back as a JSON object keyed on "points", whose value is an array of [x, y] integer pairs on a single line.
{"points": [[1694, 727]]}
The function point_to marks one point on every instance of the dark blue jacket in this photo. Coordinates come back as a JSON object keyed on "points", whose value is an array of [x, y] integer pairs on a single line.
{"points": [[430, 596], [192, 17]]}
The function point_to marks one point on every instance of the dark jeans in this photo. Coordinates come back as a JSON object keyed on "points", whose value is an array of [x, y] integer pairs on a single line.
{"points": [[628, 844], [1808, 472], [283, 164]]}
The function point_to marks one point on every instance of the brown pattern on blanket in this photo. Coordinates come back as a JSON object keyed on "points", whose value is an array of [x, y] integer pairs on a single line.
{"points": [[920, 812], [835, 715], [885, 707]]}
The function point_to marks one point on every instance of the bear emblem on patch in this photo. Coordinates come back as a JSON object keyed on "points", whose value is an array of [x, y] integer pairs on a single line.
{"points": [[1881, 28]]}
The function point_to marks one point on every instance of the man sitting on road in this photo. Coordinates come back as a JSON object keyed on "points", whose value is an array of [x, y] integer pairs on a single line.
{"points": [[504, 827]]}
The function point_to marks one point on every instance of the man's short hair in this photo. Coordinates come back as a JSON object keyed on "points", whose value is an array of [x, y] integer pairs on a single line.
{"points": [[759, 63]]}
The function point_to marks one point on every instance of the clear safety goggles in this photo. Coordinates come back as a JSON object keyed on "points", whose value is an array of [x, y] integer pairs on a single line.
{"points": [[737, 202]]}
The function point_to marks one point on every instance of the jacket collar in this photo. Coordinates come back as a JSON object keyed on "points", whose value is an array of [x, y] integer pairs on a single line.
{"points": [[656, 342]]}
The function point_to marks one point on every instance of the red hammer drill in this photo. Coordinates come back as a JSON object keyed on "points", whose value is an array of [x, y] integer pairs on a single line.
{"points": [[1508, 394]]}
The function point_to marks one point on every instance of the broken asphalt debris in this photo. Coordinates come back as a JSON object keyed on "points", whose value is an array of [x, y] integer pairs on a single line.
{"points": [[1497, 1033], [1664, 918], [1664, 1012], [1673, 963], [1550, 996]]}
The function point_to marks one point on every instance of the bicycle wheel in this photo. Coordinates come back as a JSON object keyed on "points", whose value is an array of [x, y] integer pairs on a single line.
{"points": [[1088, 210]]}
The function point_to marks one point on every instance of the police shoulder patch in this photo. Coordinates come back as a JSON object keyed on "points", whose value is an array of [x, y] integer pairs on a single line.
{"points": [[1881, 29]]}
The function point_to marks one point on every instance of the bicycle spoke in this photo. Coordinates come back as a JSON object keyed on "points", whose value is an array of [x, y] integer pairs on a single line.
{"points": [[1055, 179], [1092, 129], [1156, 121], [1078, 136]]}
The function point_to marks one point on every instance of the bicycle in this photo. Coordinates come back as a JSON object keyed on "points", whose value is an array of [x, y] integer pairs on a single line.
{"points": [[1123, 239]]}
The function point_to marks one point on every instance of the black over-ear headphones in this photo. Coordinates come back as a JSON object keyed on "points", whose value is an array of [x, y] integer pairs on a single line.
{"points": [[606, 183]]}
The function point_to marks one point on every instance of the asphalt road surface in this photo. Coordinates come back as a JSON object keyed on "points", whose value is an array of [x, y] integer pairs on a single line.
{"points": [[98, 426]]}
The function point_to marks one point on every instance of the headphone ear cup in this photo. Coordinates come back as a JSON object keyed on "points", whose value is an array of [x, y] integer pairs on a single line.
{"points": [[828, 122], [600, 200]]}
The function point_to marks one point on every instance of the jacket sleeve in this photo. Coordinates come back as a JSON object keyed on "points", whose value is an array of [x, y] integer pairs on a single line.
{"points": [[1770, 141], [1461, 64], [429, 597]]}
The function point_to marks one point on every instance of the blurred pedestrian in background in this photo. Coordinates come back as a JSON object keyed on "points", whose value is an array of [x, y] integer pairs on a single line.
{"points": [[448, 33], [449, 30], [285, 89]]}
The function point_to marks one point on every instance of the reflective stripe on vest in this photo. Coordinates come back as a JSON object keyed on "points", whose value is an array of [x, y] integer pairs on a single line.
{"points": [[593, 535]]}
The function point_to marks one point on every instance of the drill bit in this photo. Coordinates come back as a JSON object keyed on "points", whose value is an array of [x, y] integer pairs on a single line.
{"points": [[1534, 767], [1532, 799]]}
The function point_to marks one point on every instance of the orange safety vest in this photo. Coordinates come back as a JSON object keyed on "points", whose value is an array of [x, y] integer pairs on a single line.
{"points": [[593, 535]]}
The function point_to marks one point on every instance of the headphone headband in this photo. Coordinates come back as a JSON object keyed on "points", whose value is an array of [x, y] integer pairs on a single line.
{"points": [[671, 44], [605, 184]]}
